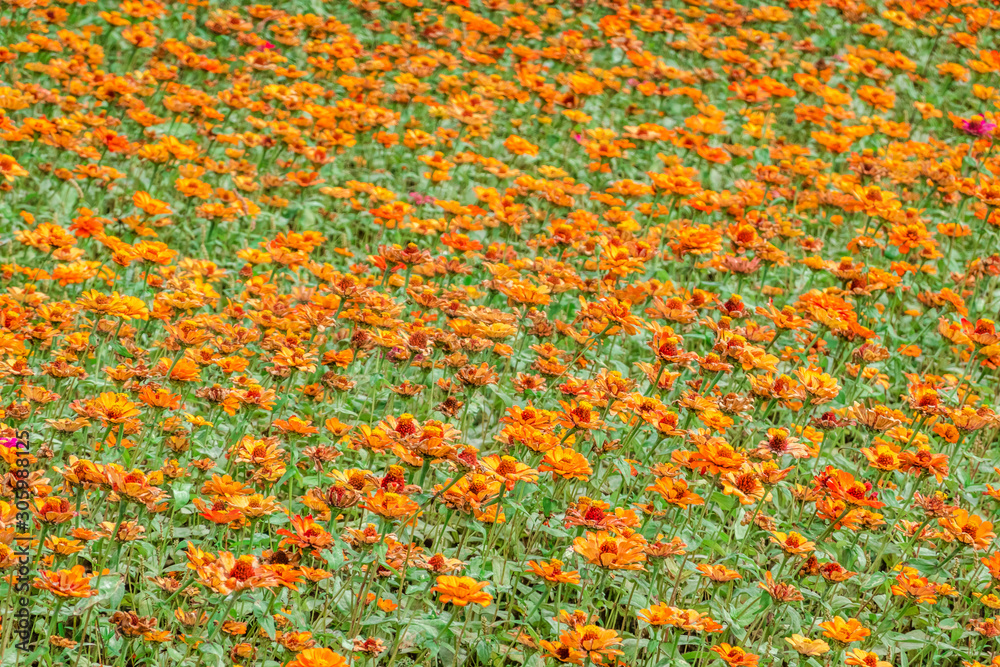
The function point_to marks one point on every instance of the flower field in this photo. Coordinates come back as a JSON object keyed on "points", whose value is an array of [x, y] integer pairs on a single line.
{"points": [[491, 334]]}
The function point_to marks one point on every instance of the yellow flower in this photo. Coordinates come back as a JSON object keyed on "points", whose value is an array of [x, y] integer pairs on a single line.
{"points": [[807, 646]]}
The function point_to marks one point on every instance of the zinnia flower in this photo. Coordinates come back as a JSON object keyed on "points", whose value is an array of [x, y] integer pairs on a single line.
{"points": [[461, 591], [318, 657], [845, 631], [610, 550], [978, 126], [72, 583]]}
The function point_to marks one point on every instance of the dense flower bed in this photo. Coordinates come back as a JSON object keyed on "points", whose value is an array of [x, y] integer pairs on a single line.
{"points": [[493, 333]]}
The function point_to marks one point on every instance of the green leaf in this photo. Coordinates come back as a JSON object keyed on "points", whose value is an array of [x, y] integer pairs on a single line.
{"points": [[181, 495], [213, 649], [264, 619], [334, 556], [623, 467]]}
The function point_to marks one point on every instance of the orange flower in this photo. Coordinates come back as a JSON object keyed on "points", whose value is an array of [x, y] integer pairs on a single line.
{"points": [[149, 205], [745, 485], [821, 387], [779, 442], [841, 485], [714, 456], [734, 656], [910, 584], [519, 146], [675, 492], [10, 169], [687, 619], [562, 653], [880, 98], [806, 646], [594, 641], [845, 631], [718, 573], [862, 658], [579, 416], [992, 563], [552, 572], [779, 591], [461, 591], [318, 657], [922, 461], [968, 529], [306, 534], [226, 573], [392, 506], [882, 457], [567, 463], [72, 583], [509, 470], [700, 240], [113, 408], [611, 550], [792, 543]]}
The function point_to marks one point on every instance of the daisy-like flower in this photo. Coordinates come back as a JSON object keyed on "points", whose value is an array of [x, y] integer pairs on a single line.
{"points": [[71, 583], [845, 631], [552, 572], [745, 485], [305, 534], [579, 416], [734, 656], [718, 573], [112, 408], [861, 658], [808, 647], [318, 657], [595, 642], [509, 470], [978, 126], [462, 591], [968, 528], [841, 485], [792, 543], [567, 463], [228, 573]]}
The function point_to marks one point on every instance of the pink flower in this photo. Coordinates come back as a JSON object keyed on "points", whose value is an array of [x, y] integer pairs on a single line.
{"points": [[978, 126]]}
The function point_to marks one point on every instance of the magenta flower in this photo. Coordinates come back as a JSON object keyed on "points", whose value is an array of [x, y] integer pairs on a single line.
{"points": [[978, 126]]}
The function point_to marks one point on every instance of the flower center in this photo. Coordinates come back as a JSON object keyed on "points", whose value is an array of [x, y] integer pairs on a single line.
{"points": [[609, 548], [507, 466], [242, 571], [746, 483], [406, 427]]}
